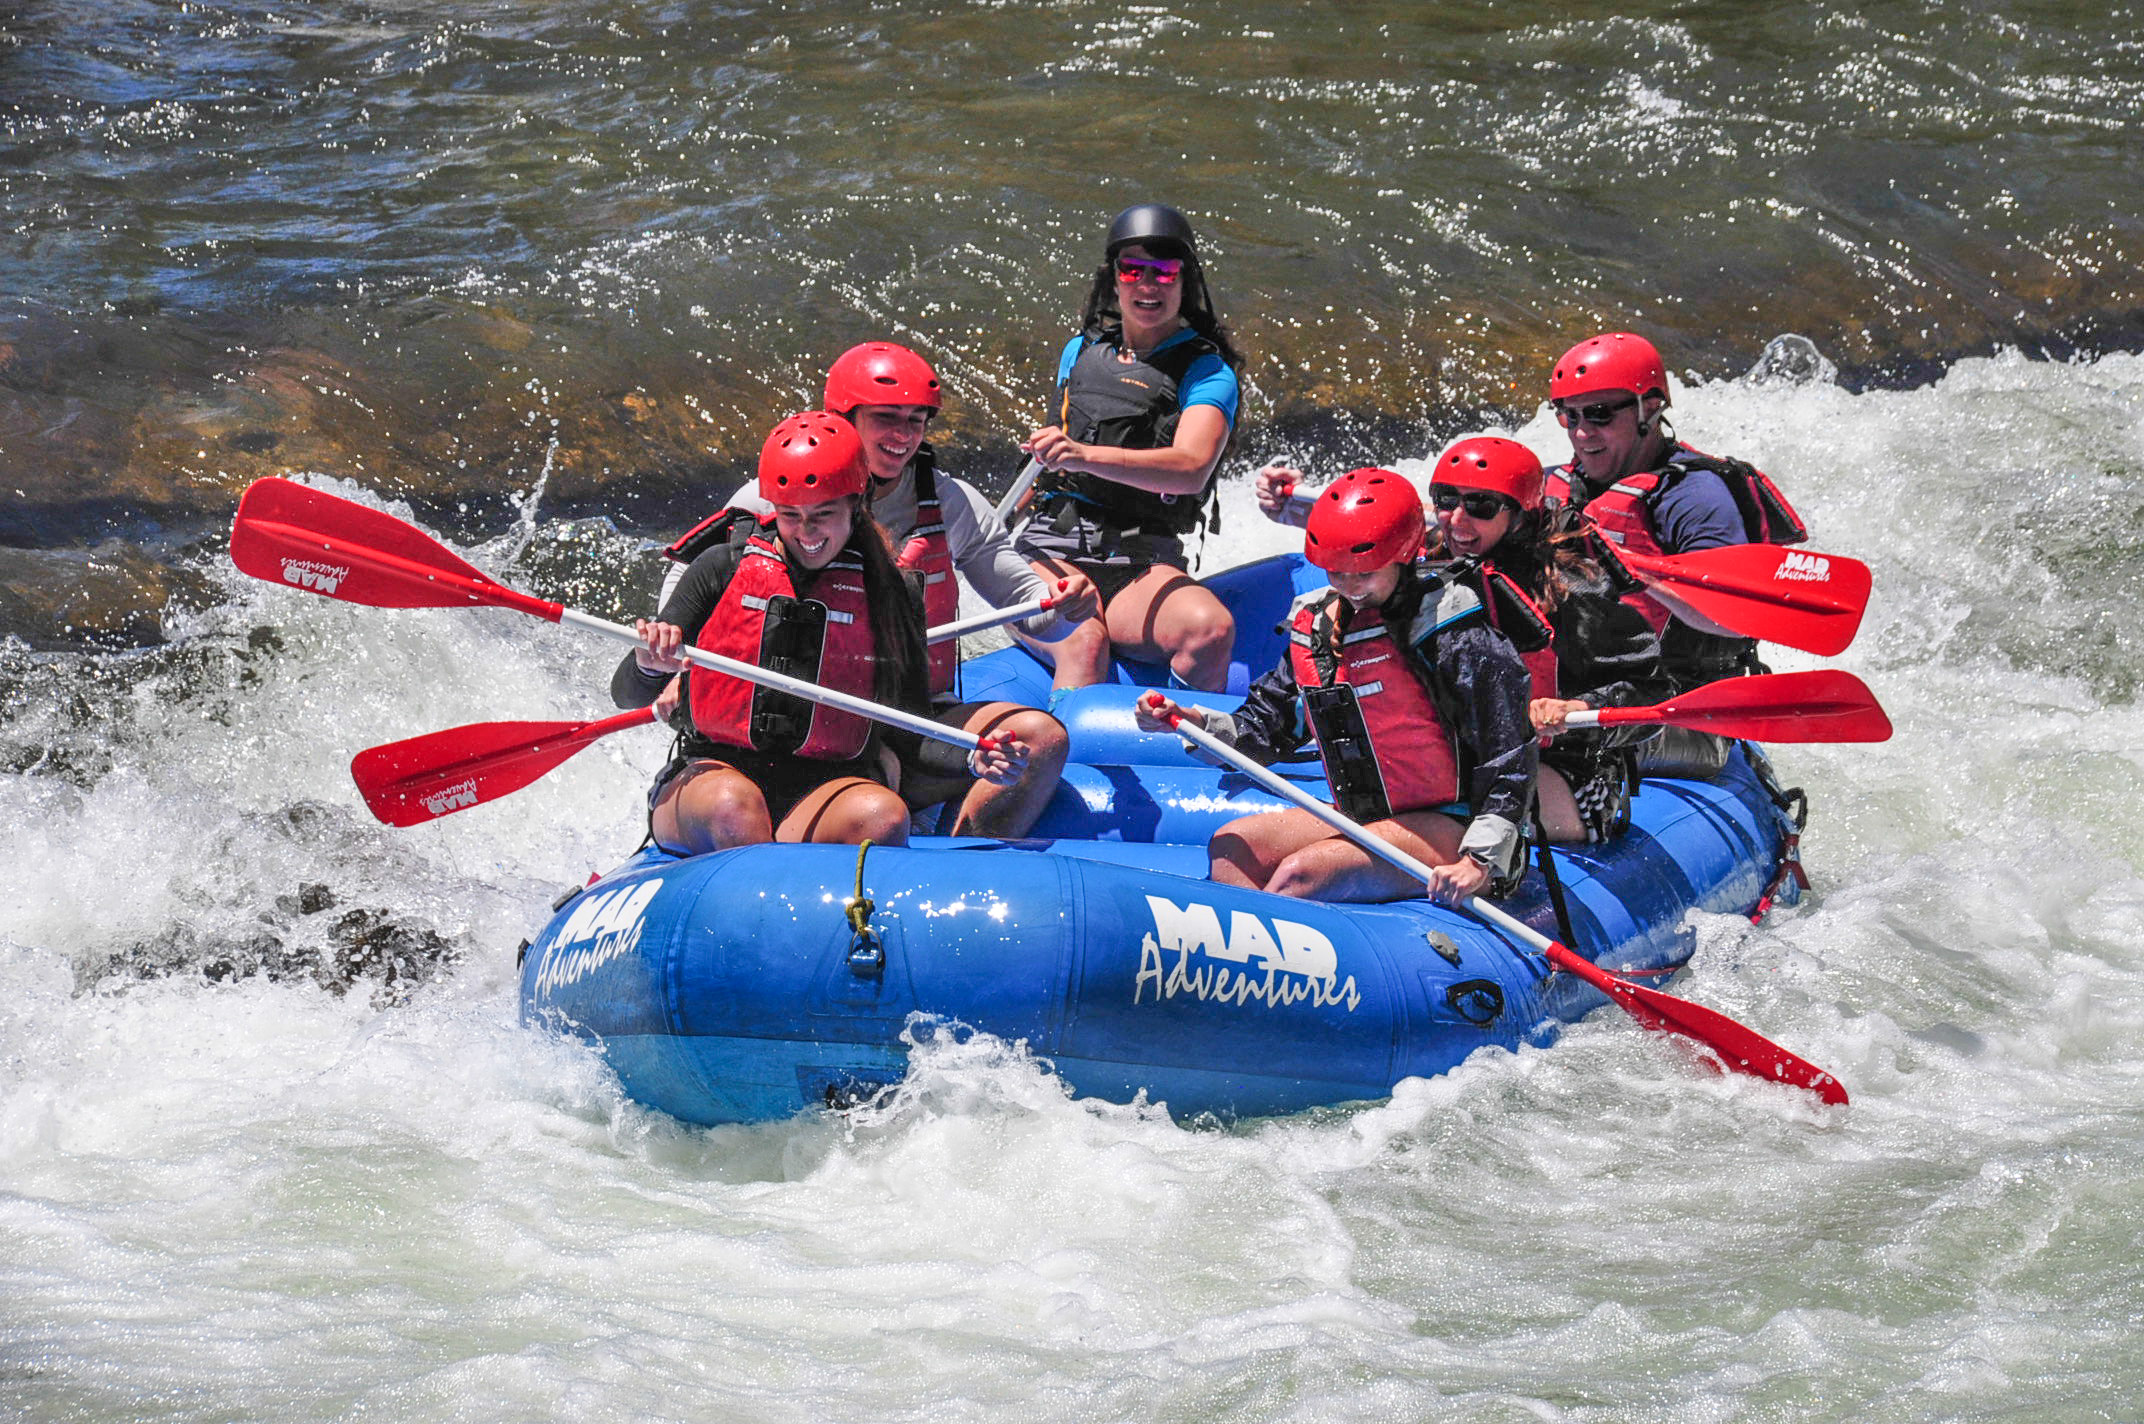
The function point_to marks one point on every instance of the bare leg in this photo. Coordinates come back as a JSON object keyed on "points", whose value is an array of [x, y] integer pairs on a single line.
{"points": [[987, 810], [1164, 616], [847, 811], [1081, 657], [711, 805], [1294, 853], [1559, 809]]}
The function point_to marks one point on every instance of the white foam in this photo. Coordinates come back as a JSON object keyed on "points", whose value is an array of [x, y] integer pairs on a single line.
{"points": [[263, 1198]]}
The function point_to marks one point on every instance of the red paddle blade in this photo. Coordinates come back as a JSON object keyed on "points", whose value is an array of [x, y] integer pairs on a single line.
{"points": [[291, 534], [1805, 600], [1823, 706], [410, 782], [1736, 1046]]}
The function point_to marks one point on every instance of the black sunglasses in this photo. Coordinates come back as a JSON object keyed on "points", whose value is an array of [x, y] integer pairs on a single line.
{"points": [[1597, 414], [1481, 504]]}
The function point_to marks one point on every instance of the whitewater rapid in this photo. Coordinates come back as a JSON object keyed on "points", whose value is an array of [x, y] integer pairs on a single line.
{"points": [[273, 1144]]}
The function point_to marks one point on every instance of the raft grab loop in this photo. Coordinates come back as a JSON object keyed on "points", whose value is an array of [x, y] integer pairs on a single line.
{"points": [[1793, 804], [867, 954]]}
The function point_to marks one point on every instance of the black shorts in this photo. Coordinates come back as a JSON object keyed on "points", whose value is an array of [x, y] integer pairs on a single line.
{"points": [[1600, 787], [1110, 558], [940, 759], [783, 780]]}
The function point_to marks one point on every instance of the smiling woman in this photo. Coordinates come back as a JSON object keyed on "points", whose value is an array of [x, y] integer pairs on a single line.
{"points": [[1146, 399], [811, 591]]}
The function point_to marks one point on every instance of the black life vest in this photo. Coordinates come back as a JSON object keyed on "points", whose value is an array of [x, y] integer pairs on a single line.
{"points": [[1513, 612], [1130, 405], [724, 526]]}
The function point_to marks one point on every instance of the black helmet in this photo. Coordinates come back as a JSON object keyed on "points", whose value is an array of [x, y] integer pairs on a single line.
{"points": [[1157, 227]]}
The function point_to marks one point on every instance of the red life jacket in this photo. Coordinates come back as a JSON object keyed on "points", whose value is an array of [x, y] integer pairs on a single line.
{"points": [[825, 639], [926, 551], [1622, 514], [1513, 612], [1385, 746]]}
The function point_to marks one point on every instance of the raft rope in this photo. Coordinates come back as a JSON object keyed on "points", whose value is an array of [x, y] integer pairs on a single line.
{"points": [[1793, 804], [867, 952], [1565, 929]]}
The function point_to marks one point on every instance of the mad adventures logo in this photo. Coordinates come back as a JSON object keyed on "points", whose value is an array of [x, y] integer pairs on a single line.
{"points": [[1274, 965], [602, 928], [312, 574], [1798, 567], [453, 798]]}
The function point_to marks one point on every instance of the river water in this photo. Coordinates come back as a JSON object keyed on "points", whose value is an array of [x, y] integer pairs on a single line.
{"points": [[272, 1143]]}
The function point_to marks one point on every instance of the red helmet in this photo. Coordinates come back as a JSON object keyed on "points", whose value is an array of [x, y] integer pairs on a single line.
{"points": [[810, 459], [880, 373], [1491, 462], [1365, 520], [1612, 361]]}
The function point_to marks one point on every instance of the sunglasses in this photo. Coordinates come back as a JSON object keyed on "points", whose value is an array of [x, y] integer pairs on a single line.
{"points": [[1164, 270], [1480, 504], [1597, 414]]}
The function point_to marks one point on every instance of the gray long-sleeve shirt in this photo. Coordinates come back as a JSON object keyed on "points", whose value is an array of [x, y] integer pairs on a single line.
{"points": [[981, 548]]}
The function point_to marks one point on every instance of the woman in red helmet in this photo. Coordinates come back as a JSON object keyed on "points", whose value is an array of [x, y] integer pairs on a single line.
{"points": [[1582, 644], [1644, 490], [1146, 397], [812, 591], [1417, 704], [941, 526]]}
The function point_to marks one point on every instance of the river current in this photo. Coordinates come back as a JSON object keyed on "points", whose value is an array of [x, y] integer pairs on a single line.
{"points": [[273, 1144], [253, 1196]]}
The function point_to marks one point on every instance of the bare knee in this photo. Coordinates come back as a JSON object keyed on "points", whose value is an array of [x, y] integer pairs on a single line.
{"points": [[1087, 642], [877, 814], [1230, 860], [716, 812], [1081, 657], [1046, 740], [1210, 634], [1203, 645], [1297, 876]]}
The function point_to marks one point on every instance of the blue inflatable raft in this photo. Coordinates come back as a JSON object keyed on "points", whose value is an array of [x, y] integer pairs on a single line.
{"points": [[736, 987]]}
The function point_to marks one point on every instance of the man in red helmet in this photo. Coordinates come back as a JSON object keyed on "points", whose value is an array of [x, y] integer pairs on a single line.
{"points": [[1644, 490], [940, 525]]}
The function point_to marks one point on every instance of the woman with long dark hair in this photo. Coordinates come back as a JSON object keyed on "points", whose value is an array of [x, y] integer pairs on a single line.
{"points": [[1147, 396], [814, 592], [1583, 645]]}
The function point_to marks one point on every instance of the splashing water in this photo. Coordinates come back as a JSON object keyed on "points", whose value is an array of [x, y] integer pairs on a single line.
{"points": [[253, 1164]]}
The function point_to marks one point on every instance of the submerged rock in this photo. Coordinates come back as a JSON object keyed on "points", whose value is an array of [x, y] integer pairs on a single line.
{"points": [[114, 595]]}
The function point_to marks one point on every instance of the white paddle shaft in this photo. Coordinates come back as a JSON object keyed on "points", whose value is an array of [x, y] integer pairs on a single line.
{"points": [[795, 687], [990, 619], [1021, 484], [1376, 845]]}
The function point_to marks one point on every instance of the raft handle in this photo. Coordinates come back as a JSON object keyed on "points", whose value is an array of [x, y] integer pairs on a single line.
{"points": [[867, 952]]}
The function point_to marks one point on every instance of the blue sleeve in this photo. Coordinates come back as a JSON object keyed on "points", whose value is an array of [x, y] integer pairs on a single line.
{"points": [[1698, 513], [1210, 382], [1064, 362]]}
